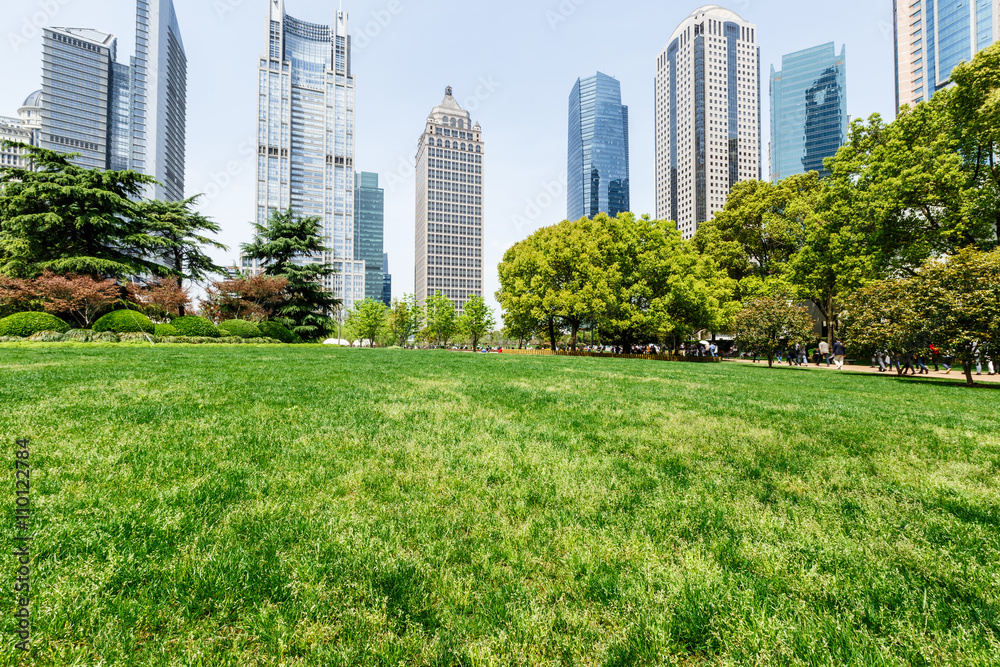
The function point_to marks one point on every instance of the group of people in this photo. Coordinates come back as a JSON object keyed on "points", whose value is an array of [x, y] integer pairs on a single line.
{"points": [[915, 362], [799, 354]]}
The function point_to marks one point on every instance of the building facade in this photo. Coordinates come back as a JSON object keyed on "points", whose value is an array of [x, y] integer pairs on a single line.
{"points": [[369, 223], [305, 137], [707, 115], [808, 110], [449, 212], [598, 164], [24, 129], [932, 36], [386, 281], [159, 98]]}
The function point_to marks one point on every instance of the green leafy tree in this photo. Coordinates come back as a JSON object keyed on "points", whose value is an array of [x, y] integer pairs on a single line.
{"points": [[68, 219], [282, 239], [477, 320], [884, 315], [526, 278], [521, 327], [370, 320], [405, 318], [440, 318], [768, 324]]}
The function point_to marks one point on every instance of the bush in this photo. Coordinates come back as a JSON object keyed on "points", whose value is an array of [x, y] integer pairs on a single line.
{"points": [[124, 321], [80, 335], [165, 330], [278, 331], [240, 328], [105, 337], [10, 339], [47, 337], [193, 326], [140, 337], [28, 324]]}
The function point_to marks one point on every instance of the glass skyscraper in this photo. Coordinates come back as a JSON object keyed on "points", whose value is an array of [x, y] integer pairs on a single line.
{"points": [[386, 281], [808, 110], [369, 222], [305, 138], [597, 169], [932, 36]]}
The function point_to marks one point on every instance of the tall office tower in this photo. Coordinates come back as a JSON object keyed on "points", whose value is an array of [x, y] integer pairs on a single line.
{"points": [[369, 222], [386, 281], [449, 216], [808, 110], [23, 130], [76, 88], [305, 137], [597, 169], [707, 115], [159, 97], [932, 36]]}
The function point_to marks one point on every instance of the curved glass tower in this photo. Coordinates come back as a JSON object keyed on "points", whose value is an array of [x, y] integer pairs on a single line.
{"points": [[305, 137], [597, 169]]}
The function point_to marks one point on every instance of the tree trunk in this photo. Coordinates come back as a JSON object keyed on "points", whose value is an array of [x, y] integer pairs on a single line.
{"points": [[770, 360], [552, 333], [967, 366], [830, 324], [572, 340]]}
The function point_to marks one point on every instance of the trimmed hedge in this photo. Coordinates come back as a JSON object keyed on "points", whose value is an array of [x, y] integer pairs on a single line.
{"points": [[28, 324], [278, 331], [165, 330], [193, 326], [240, 328], [124, 321]]}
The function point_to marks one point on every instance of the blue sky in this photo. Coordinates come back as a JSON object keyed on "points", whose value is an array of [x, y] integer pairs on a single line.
{"points": [[515, 62]]}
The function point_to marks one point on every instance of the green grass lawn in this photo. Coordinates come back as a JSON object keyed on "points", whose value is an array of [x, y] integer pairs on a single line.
{"points": [[303, 505]]}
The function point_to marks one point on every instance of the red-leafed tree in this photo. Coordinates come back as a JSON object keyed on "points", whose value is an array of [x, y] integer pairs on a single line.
{"points": [[16, 295], [252, 298], [161, 299], [81, 297]]}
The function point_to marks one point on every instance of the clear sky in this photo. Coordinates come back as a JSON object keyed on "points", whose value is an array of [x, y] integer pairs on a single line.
{"points": [[511, 63]]}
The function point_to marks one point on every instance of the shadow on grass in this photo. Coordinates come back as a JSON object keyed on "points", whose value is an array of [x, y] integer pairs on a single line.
{"points": [[953, 381]]}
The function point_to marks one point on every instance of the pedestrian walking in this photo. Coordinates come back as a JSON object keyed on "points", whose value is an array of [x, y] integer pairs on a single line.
{"points": [[824, 350], [839, 353]]}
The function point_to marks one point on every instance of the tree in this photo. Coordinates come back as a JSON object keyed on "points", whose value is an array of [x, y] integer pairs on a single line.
{"points": [[253, 298], [79, 297], [477, 320], [440, 314], [884, 315], [525, 279], [16, 295], [68, 219], [284, 238], [181, 231], [405, 318], [767, 324], [369, 318], [521, 327]]}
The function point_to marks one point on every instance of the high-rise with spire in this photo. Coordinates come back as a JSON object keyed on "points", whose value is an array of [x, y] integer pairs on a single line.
{"points": [[305, 138], [449, 212]]}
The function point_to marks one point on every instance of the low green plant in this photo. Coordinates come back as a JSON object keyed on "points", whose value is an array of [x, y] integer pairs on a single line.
{"points": [[80, 335], [166, 330], [192, 325], [134, 337], [105, 337], [240, 328], [28, 324], [124, 321], [278, 331], [47, 337]]}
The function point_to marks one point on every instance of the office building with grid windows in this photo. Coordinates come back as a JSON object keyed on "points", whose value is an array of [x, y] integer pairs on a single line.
{"points": [[597, 155], [449, 213], [305, 138], [932, 36], [707, 115], [369, 230], [808, 110]]}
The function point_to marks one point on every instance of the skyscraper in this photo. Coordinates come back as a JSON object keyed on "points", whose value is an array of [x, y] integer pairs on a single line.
{"points": [[76, 83], [386, 281], [449, 215], [369, 222], [932, 36], [115, 115], [808, 110], [305, 137], [159, 97], [707, 115], [597, 169]]}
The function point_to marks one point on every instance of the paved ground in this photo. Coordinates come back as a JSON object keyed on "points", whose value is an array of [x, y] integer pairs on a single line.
{"points": [[956, 373]]}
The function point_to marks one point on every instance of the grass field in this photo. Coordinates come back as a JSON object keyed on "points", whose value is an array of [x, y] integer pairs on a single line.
{"points": [[303, 505]]}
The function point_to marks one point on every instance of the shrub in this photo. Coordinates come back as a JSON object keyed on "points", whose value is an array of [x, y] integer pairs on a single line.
{"points": [[140, 337], [105, 337], [124, 321], [80, 335], [278, 331], [240, 328], [47, 337], [193, 326], [10, 339], [28, 324], [165, 330]]}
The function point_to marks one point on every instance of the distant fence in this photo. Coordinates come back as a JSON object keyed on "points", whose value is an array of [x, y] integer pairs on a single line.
{"points": [[611, 355]]}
